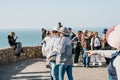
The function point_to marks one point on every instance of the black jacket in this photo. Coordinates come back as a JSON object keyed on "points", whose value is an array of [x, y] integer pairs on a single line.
{"points": [[11, 40]]}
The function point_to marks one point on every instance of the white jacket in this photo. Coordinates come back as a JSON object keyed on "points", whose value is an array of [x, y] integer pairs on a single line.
{"points": [[51, 47]]}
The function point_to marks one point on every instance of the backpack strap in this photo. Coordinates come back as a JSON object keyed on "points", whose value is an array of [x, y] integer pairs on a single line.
{"points": [[114, 55], [111, 68]]}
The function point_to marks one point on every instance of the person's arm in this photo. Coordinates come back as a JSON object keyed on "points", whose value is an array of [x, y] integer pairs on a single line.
{"points": [[16, 38], [43, 41], [74, 40], [92, 44], [90, 52]]}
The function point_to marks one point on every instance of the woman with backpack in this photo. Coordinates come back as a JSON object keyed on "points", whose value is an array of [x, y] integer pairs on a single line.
{"points": [[113, 39]]}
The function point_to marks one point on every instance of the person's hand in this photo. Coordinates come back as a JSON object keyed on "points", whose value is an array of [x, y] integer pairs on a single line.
{"points": [[90, 52], [47, 63], [16, 37], [47, 59]]}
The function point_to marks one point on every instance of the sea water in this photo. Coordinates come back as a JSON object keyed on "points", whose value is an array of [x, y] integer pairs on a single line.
{"points": [[26, 37], [32, 37]]}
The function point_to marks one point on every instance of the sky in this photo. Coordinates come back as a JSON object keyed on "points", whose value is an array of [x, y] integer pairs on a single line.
{"points": [[30, 14]]}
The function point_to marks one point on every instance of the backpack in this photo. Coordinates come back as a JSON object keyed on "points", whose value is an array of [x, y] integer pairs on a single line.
{"points": [[111, 68], [18, 47]]}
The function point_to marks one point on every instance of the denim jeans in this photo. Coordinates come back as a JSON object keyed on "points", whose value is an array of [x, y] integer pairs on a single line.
{"points": [[86, 58], [110, 77], [53, 71], [113, 77], [68, 69]]}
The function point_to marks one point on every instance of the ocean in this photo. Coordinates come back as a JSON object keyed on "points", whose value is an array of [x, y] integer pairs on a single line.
{"points": [[26, 37], [33, 37]]}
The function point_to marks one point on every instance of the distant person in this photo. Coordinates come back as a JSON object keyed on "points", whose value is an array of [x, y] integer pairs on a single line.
{"points": [[105, 45], [16, 45], [96, 45], [85, 42], [45, 42], [43, 33], [77, 47], [113, 39], [11, 39], [71, 36], [60, 25]]}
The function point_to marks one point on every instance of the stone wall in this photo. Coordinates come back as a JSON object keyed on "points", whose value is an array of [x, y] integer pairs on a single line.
{"points": [[7, 55]]}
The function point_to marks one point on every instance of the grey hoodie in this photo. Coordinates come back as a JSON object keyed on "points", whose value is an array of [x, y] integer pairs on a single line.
{"points": [[64, 50]]}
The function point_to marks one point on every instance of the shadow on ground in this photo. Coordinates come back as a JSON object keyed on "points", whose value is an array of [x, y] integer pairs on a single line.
{"points": [[8, 72]]}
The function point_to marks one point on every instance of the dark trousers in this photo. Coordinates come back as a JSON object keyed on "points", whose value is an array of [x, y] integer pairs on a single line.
{"points": [[107, 60], [73, 51], [77, 54]]}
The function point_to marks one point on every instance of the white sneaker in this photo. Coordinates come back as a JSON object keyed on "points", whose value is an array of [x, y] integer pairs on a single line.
{"points": [[100, 64], [93, 63], [75, 64]]}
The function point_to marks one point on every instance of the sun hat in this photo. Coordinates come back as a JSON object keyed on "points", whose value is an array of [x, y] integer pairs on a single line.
{"points": [[56, 28], [113, 36], [63, 30]]}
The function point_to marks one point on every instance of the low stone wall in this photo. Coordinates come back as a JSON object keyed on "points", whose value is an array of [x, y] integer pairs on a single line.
{"points": [[7, 55]]}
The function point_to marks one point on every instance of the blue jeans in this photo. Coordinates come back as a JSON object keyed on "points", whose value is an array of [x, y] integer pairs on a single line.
{"points": [[86, 58], [68, 69], [110, 77], [113, 77], [53, 71]]}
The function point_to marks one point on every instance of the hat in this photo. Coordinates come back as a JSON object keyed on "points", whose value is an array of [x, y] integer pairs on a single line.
{"points": [[63, 30], [56, 28], [113, 36]]}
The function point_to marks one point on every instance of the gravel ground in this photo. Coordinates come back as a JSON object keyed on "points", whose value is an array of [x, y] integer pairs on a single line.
{"points": [[35, 69]]}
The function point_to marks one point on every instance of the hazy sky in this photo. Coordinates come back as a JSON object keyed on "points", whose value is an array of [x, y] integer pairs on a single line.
{"points": [[47, 13]]}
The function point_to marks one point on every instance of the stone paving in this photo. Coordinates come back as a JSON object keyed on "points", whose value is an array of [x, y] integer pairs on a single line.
{"points": [[35, 69]]}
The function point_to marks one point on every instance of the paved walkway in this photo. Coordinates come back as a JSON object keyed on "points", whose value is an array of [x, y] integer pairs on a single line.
{"points": [[35, 69]]}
